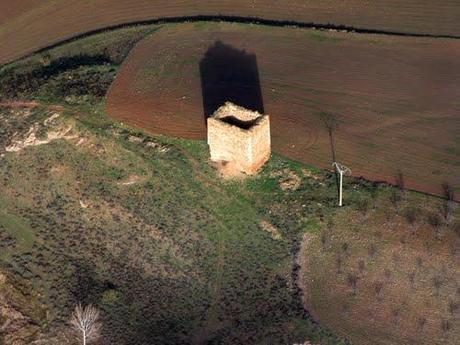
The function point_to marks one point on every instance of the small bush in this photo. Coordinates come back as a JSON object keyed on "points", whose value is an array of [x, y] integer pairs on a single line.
{"points": [[434, 220], [372, 251], [421, 322], [396, 197], [363, 204], [387, 273], [445, 325], [339, 262], [453, 307], [456, 229], [411, 214], [324, 238], [378, 289], [352, 280], [437, 283], [412, 279]]}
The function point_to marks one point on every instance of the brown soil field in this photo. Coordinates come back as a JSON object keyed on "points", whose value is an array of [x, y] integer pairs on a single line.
{"points": [[12, 9], [31, 25], [393, 101]]}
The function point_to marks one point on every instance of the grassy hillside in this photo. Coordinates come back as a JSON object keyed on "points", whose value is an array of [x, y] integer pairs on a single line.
{"points": [[142, 227]]}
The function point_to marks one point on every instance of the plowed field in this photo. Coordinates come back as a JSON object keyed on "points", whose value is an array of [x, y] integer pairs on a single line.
{"points": [[31, 25], [392, 102], [10, 10]]}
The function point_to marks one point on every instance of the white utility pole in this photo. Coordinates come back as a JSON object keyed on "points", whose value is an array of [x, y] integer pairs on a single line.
{"points": [[341, 169]]}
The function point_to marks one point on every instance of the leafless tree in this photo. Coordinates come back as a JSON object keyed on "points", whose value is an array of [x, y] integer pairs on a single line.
{"points": [[85, 322]]}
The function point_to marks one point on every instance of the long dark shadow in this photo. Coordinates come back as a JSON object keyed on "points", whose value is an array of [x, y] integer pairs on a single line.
{"points": [[229, 74]]}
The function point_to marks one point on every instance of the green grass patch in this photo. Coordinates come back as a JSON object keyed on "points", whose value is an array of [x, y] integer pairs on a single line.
{"points": [[17, 230]]}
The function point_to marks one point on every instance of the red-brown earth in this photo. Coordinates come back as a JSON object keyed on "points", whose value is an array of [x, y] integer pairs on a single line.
{"points": [[12, 9], [26, 26], [394, 101]]}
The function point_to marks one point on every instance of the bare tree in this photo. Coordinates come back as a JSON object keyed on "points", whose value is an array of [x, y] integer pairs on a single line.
{"points": [[85, 322]]}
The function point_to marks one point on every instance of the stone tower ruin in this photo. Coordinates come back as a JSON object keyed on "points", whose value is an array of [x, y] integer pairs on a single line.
{"points": [[239, 137]]}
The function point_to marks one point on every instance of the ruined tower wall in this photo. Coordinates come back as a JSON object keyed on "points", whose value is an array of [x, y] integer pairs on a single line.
{"points": [[229, 144], [260, 144], [246, 145]]}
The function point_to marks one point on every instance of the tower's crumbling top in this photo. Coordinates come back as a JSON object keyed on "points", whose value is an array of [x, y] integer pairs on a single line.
{"points": [[238, 116]]}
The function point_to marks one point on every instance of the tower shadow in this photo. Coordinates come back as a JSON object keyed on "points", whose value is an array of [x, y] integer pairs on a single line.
{"points": [[229, 74]]}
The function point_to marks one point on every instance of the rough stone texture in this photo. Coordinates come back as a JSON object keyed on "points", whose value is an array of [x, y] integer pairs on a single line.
{"points": [[239, 137]]}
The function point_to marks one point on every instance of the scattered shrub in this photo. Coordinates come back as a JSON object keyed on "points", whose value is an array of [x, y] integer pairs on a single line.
{"points": [[363, 203], [434, 220], [456, 229], [445, 325], [437, 283], [372, 251], [412, 279], [411, 214], [387, 273], [421, 322], [352, 280], [378, 289], [339, 262], [453, 307], [395, 197]]}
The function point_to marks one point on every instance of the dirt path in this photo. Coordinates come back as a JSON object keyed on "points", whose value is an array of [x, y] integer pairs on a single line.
{"points": [[302, 261], [212, 323]]}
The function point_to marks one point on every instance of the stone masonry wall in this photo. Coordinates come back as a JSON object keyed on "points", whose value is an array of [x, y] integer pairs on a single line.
{"points": [[239, 137]]}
